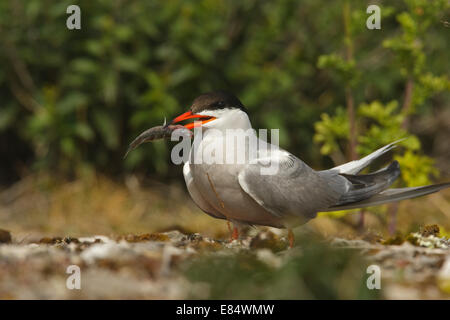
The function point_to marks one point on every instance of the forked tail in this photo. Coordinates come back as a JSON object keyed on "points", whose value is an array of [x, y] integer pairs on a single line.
{"points": [[391, 195]]}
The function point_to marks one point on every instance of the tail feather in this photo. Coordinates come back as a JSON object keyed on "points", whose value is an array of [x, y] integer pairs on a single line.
{"points": [[355, 166], [371, 189], [368, 185], [392, 195]]}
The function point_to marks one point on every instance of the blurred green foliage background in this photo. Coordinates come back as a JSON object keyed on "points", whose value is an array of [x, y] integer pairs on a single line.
{"points": [[71, 100]]}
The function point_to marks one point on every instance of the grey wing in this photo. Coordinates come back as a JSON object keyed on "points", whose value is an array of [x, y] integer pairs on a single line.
{"points": [[197, 196], [295, 189]]}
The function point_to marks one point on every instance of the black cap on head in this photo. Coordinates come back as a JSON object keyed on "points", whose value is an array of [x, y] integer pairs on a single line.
{"points": [[216, 100]]}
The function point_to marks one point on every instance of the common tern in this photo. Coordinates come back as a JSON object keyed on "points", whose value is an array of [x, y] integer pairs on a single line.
{"points": [[293, 194]]}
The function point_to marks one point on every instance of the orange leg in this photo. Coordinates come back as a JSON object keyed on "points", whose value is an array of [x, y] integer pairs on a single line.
{"points": [[235, 235], [234, 232], [229, 227], [291, 238]]}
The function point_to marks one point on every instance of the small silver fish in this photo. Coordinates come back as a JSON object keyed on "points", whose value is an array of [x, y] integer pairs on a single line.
{"points": [[155, 133]]}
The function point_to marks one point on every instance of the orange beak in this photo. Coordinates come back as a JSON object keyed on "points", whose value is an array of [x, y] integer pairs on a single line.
{"points": [[190, 115]]}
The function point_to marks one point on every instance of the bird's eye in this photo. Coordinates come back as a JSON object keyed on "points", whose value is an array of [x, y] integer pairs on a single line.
{"points": [[220, 103]]}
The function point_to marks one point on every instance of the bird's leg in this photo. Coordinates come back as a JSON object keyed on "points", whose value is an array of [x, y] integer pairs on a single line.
{"points": [[230, 229], [234, 231], [237, 229], [291, 238], [235, 234]]}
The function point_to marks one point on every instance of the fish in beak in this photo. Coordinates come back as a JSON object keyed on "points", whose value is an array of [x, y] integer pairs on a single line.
{"points": [[165, 131], [156, 133]]}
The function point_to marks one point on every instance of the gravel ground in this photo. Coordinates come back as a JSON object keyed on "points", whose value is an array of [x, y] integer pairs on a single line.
{"points": [[156, 266]]}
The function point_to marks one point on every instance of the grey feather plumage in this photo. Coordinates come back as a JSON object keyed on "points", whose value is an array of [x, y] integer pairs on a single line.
{"points": [[296, 190], [392, 195]]}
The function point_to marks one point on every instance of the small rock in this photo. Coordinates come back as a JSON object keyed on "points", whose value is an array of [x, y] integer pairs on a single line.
{"points": [[195, 237], [430, 230], [267, 240], [5, 236], [69, 240], [429, 241]]}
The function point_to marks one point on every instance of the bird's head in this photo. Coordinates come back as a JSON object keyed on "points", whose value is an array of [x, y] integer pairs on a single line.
{"points": [[208, 108]]}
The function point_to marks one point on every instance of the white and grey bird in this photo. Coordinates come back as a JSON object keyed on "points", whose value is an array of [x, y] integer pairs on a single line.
{"points": [[241, 194]]}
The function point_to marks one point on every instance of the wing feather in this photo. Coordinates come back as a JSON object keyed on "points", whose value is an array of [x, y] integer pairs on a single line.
{"points": [[295, 189]]}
